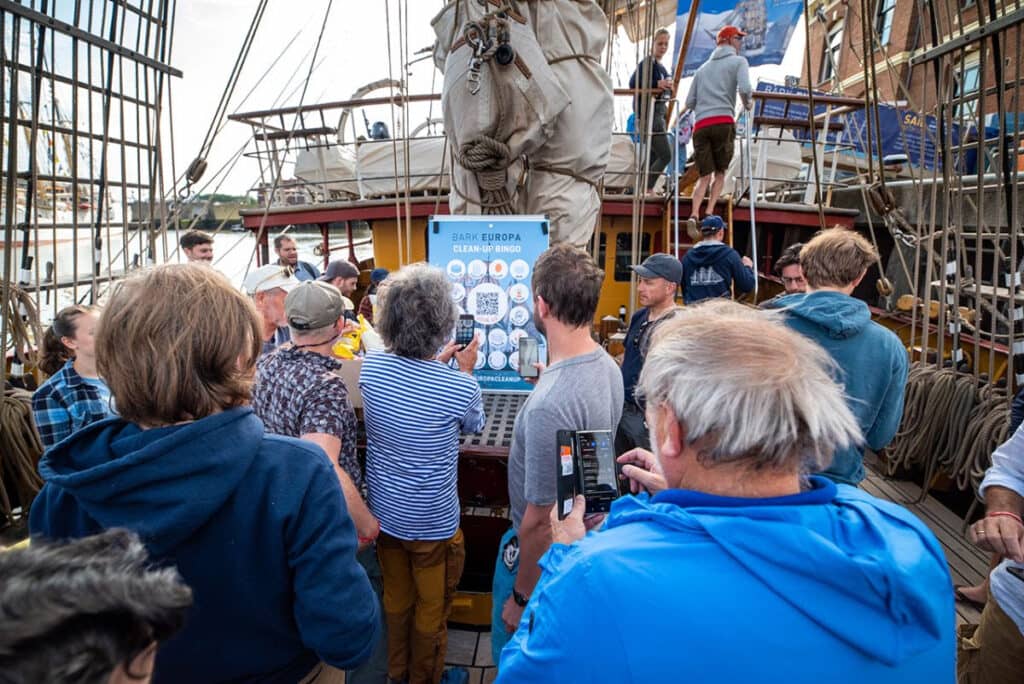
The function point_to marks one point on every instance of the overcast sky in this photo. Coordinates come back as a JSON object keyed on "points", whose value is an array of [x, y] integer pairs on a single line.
{"points": [[354, 51]]}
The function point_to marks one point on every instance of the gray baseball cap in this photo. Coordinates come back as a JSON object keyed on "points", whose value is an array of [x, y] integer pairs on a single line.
{"points": [[660, 266], [313, 304]]}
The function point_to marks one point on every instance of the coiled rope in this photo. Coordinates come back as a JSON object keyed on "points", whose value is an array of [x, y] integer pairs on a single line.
{"points": [[20, 449], [951, 424], [22, 324]]}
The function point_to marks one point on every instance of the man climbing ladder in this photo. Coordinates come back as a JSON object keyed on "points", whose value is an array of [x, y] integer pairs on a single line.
{"points": [[712, 97]]}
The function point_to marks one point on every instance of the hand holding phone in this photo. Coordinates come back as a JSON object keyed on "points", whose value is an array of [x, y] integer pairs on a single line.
{"points": [[529, 355], [465, 330]]}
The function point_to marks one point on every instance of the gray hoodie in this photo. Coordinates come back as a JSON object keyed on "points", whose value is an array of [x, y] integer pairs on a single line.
{"points": [[714, 86]]}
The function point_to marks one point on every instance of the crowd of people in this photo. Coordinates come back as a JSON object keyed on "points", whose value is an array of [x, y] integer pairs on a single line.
{"points": [[207, 514], [205, 459]]}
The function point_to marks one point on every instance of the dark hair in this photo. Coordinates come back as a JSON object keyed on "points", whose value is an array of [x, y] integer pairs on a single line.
{"points": [[74, 612], [55, 353], [569, 282], [194, 238], [167, 363], [279, 240], [789, 257], [415, 311]]}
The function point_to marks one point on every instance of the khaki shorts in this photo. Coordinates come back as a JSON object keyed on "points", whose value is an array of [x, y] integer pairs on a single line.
{"points": [[712, 148]]}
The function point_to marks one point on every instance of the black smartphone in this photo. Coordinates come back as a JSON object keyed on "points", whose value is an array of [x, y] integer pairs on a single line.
{"points": [[1016, 572], [586, 464], [529, 354], [464, 330]]}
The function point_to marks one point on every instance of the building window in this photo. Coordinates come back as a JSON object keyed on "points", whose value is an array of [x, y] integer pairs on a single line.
{"points": [[965, 93], [624, 254], [830, 60], [883, 20]]}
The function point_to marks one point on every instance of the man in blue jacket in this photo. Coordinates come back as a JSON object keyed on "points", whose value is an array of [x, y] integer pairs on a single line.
{"points": [[871, 361], [711, 267], [753, 572], [255, 523]]}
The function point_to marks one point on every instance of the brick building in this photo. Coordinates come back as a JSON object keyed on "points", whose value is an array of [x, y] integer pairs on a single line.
{"points": [[902, 46]]}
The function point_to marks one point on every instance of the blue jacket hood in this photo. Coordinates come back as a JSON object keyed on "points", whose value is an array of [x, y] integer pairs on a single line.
{"points": [[851, 563], [706, 254], [121, 474], [841, 316]]}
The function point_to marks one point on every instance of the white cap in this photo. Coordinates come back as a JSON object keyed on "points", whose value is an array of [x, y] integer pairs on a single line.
{"points": [[270, 277]]}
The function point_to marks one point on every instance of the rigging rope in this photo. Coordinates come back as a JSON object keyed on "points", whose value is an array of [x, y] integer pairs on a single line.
{"points": [[198, 165], [20, 449]]}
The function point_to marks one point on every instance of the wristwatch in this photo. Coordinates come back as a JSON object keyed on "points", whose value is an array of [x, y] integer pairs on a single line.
{"points": [[520, 600]]}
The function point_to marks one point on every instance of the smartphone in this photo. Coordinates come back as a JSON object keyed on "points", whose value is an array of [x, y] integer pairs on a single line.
{"points": [[586, 465], [1016, 572], [465, 329], [529, 354]]}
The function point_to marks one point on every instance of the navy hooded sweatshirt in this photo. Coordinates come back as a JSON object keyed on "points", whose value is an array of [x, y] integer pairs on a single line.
{"points": [[256, 525], [872, 367], [709, 269]]}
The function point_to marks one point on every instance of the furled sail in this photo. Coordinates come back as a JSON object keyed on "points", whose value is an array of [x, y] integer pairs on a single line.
{"points": [[527, 108]]}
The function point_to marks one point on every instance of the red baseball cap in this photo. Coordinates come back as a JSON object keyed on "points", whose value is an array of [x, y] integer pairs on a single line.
{"points": [[728, 33]]}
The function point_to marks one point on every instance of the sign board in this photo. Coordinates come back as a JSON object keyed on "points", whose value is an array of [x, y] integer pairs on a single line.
{"points": [[903, 131], [489, 261]]}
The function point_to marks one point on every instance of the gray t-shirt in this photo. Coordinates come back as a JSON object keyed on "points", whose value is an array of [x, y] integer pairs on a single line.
{"points": [[581, 393]]}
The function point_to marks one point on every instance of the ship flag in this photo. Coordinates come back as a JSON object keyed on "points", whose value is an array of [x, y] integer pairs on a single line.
{"points": [[769, 25]]}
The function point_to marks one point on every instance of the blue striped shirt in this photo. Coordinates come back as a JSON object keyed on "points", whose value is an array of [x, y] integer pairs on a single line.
{"points": [[414, 411]]}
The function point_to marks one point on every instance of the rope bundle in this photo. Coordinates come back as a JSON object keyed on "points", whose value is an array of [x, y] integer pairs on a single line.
{"points": [[489, 159], [20, 449], [25, 331], [950, 425]]}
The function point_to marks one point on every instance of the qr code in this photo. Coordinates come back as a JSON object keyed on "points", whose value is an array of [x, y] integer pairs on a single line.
{"points": [[487, 304]]}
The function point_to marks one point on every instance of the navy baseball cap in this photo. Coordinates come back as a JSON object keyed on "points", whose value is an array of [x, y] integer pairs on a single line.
{"points": [[660, 266], [712, 224]]}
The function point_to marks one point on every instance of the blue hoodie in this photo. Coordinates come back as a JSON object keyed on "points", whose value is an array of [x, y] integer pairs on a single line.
{"points": [[255, 523], [709, 268], [872, 367], [829, 585]]}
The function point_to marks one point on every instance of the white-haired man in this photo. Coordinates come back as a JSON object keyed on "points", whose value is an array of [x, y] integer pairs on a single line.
{"points": [[754, 572]]}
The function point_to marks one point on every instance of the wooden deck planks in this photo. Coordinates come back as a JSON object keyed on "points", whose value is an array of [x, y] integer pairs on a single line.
{"points": [[967, 563]]}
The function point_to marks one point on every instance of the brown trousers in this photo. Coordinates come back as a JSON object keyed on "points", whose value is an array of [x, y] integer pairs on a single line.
{"points": [[991, 652], [419, 582]]}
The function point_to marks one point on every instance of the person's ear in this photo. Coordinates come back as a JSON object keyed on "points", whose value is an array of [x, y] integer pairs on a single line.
{"points": [[542, 308]]}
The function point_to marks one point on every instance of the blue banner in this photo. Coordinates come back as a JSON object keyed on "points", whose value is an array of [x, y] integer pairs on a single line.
{"points": [[902, 131], [489, 261], [769, 24]]}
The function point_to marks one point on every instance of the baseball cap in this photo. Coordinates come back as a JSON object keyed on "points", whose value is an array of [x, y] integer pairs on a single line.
{"points": [[313, 304], [270, 277], [339, 269], [728, 33], [712, 224], [660, 266], [378, 275]]}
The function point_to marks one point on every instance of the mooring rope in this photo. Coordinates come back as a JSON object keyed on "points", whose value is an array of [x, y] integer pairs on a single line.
{"points": [[20, 449]]}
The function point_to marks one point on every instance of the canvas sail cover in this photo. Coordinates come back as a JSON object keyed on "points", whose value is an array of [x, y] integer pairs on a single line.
{"points": [[527, 109]]}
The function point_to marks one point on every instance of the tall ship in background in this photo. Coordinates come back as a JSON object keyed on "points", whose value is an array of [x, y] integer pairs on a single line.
{"points": [[902, 124]]}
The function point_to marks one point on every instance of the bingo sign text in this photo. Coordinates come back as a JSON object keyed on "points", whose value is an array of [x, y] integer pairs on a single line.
{"points": [[489, 262]]}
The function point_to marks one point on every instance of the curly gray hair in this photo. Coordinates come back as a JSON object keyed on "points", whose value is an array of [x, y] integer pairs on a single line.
{"points": [[708, 365], [416, 313]]}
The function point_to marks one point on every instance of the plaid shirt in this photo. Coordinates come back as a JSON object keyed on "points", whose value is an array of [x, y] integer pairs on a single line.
{"points": [[66, 402], [299, 393]]}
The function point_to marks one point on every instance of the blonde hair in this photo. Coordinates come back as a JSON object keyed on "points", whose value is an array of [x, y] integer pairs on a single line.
{"points": [[836, 258], [708, 366], [177, 343]]}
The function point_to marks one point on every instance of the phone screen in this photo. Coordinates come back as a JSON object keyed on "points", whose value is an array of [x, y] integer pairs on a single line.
{"points": [[528, 355], [598, 474], [464, 330]]}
